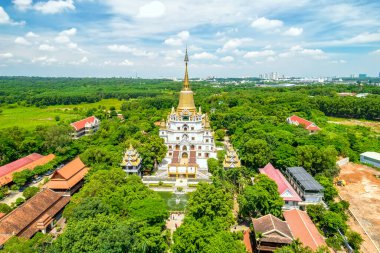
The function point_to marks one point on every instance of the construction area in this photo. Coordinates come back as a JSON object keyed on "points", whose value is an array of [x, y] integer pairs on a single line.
{"points": [[362, 191]]}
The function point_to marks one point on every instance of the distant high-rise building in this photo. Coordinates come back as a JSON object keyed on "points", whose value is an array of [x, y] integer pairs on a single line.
{"points": [[362, 76], [379, 74]]}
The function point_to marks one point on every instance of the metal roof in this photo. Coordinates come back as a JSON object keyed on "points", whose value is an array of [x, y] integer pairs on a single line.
{"points": [[306, 181], [373, 155]]}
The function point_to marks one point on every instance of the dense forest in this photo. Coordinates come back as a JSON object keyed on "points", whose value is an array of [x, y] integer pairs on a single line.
{"points": [[114, 213]]}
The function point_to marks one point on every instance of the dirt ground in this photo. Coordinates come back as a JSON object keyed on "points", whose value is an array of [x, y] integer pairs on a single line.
{"points": [[363, 193]]}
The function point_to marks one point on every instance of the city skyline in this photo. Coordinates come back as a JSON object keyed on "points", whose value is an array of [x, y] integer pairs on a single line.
{"points": [[225, 39]]}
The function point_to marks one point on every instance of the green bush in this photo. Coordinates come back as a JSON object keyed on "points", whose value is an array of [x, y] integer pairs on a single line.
{"points": [[30, 192], [19, 201], [4, 208]]}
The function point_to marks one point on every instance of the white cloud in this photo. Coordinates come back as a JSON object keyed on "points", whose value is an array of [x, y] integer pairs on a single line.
{"points": [[203, 56], [153, 9], [31, 35], [69, 32], [62, 39], [5, 19], [266, 24], [44, 60], [22, 4], [173, 42], [256, 54], [21, 41], [84, 60], [178, 39], [227, 59], [6, 55], [293, 31], [72, 45], [300, 51], [46, 47], [54, 6], [132, 50], [234, 43], [126, 62], [339, 61], [376, 51], [184, 35]]}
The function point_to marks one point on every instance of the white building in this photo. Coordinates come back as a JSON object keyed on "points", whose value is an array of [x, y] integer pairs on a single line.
{"points": [[372, 158], [188, 136]]}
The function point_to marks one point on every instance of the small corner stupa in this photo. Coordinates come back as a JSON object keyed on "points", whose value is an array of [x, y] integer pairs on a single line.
{"points": [[131, 163]]}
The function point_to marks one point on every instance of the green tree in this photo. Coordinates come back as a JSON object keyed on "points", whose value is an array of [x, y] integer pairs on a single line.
{"points": [[354, 239], [30, 192], [20, 178], [261, 198], [219, 134], [255, 153], [330, 192]]}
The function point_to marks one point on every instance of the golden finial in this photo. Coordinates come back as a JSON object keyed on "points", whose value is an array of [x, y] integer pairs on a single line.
{"points": [[186, 85]]}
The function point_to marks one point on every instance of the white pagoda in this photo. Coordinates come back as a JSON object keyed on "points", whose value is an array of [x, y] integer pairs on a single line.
{"points": [[188, 136], [131, 162]]}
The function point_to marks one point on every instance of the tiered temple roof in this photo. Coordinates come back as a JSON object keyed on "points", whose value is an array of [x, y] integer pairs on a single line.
{"points": [[231, 159], [131, 158]]}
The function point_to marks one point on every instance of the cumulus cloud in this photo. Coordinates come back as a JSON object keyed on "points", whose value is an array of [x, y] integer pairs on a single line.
{"points": [[178, 39], [293, 31], [376, 51], [46, 47], [22, 41], [126, 62], [339, 61], [31, 35], [300, 51], [232, 44], [54, 6], [5, 19], [203, 56], [227, 59], [22, 4], [44, 60], [257, 54], [6, 55], [153, 9], [64, 36], [266, 24], [132, 50]]}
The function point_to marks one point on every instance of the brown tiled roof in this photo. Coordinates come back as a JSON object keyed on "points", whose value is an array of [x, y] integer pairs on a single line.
{"points": [[68, 176], [303, 228], [23, 220], [273, 229], [30, 162]]}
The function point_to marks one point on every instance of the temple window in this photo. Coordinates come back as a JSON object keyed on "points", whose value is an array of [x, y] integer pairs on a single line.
{"points": [[192, 128], [199, 147], [192, 138], [178, 128], [207, 140], [206, 155], [177, 138]]}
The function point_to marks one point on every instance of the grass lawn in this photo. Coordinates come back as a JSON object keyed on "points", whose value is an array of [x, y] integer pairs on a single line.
{"points": [[30, 117], [170, 200]]}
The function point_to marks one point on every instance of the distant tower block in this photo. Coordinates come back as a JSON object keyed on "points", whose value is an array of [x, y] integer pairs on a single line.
{"points": [[131, 161]]}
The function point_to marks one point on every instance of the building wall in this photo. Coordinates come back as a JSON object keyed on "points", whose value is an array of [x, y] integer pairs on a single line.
{"points": [[374, 162]]}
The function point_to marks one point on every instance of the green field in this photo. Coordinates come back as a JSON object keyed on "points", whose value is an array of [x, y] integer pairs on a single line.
{"points": [[30, 117]]}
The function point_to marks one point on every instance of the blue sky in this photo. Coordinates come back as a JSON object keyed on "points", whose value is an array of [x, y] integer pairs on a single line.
{"points": [[226, 38]]}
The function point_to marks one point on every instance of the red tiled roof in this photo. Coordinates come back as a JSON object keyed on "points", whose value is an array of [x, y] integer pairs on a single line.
{"points": [[303, 228], [284, 188], [308, 125], [82, 123], [247, 241], [68, 176], [273, 229], [6, 179], [23, 220], [10, 167]]}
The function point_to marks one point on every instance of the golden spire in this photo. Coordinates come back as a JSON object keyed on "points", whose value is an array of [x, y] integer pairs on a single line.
{"points": [[186, 84], [186, 100]]}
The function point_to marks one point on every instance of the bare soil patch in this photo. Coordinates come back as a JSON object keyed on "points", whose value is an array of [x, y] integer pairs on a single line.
{"points": [[374, 125], [363, 193]]}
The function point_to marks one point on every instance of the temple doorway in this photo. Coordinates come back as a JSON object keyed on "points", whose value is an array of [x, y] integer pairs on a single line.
{"points": [[185, 158]]}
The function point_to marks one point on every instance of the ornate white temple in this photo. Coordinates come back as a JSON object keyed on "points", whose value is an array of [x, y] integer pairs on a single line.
{"points": [[188, 136]]}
